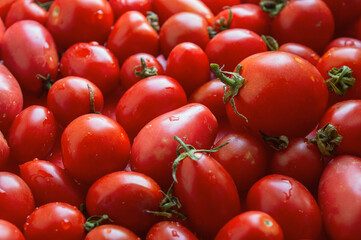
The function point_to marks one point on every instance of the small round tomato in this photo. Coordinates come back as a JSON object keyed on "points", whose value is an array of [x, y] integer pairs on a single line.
{"points": [[25, 9], [71, 97], [73, 21], [289, 203], [343, 42], [94, 145], [57, 221], [126, 197], [300, 50], [189, 65], [32, 134], [170, 231], [122, 6], [4, 151], [111, 232], [183, 27], [93, 62], [10, 231], [251, 225], [16, 199]]}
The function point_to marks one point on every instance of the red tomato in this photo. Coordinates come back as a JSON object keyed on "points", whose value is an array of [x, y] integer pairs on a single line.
{"points": [[2, 31], [4, 8], [4, 151], [127, 75], [16, 199], [165, 9], [132, 34], [338, 57], [170, 231], [146, 100], [300, 50], [11, 97], [289, 203], [308, 22], [111, 232], [189, 65], [122, 6], [93, 62], [73, 21], [154, 149], [183, 27], [126, 197], [94, 145], [343, 42], [345, 117], [37, 55], [50, 183], [111, 102], [32, 134], [217, 5], [25, 9], [71, 97], [251, 225], [10, 231], [339, 197], [230, 47], [56, 221], [207, 193], [244, 157]]}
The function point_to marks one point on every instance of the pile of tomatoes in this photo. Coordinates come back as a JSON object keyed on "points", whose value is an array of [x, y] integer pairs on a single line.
{"points": [[180, 119]]}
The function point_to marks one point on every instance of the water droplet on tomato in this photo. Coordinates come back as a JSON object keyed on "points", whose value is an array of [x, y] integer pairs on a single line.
{"points": [[65, 224], [2, 191], [99, 14], [212, 177], [173, 118], [175, 233], [109, 231]]}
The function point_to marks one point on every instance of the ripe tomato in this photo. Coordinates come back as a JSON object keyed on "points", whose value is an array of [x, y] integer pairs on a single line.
{"points": [[57, 221], [16, 199], [32, 134], [217, 6], [300, 50], [146, 100], [189, 65], [4, 8], [289, 203], [4, 151], [94, 145], [126, 197], [93, 62], [251, 225], [339, 195], [38, 54], [343, 42], [25, 9], [111, 232], [169, 230], [10, 231], [73, 21], [122, 6]]}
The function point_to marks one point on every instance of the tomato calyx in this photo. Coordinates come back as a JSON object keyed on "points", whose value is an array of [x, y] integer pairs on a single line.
{"points": [[45, 5], [221, 24], [327, 139], [271, 43], [153, 20], [277, 143], [234, 85], [340, 80], [47, 81], [95, 221], [273, 7], [145, 72]]}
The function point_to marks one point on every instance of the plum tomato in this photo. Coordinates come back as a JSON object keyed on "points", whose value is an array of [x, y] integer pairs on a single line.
{"points": [[343, 42], [25, 9], [300, 50], [169, 230], [111, 232], [122, 6]]}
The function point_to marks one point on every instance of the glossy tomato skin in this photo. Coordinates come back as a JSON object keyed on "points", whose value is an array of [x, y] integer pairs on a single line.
{"points": [[245, 158], [289, 203], [127, 76], [302, 51], [32, 134], [230, 47], [50, 183], [122, 6], [38, 54], [111, 232], [343, 42], [207, 193], [307, 22], [10, 231], [165, 9], [25, 9], [345, 117], [339, 196], [93, 62], [4, 151], [217, 6], [251, 225], [283, 95], [189, 65], [56, 221], [132, 34], [148, 99], [154, 148], [183, 27], [73, 21], [169, 230], [4, 8], [16, 199], [125, 197], [94, 145], [70, 97], [11, 97], [338, 57]]}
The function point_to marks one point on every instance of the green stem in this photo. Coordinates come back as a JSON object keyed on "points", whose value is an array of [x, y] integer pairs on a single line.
{"points": [[91, 100], [45, 5], [95, 221], [340, 80], [145, 72], [271, 43], [47, 81], [327, 139], [273, 7], [153, 20], [277, 143]]}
